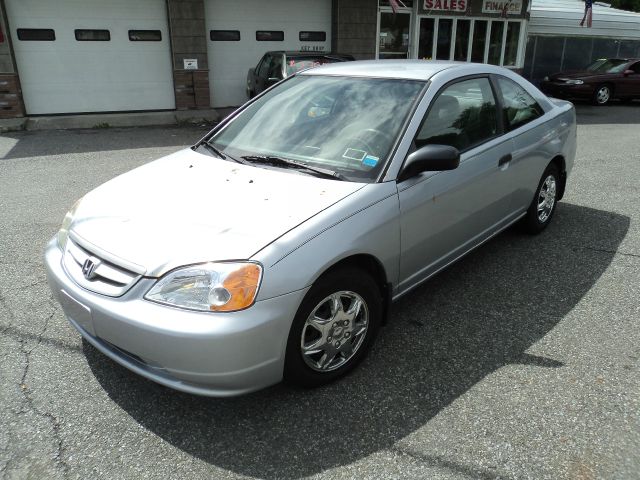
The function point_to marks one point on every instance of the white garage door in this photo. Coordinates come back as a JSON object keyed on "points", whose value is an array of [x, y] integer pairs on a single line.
{"points": [[92, 55], [230, 58]]}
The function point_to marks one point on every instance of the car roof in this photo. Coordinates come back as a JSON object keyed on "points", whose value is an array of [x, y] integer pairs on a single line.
{"points": [[406, 69]]}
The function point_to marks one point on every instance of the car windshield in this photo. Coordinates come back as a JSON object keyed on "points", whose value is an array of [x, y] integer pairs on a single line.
{"points": [[604, 65], [296, 64], [345, 124]]}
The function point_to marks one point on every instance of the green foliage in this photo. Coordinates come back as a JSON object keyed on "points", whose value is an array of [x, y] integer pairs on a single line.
{"points": [[633, 5]]}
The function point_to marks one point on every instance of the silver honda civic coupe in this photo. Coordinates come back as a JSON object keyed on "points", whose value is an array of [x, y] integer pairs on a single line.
{"points": [[273, 247]]}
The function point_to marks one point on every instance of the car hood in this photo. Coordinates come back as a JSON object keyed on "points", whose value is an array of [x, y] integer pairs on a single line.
{"points": [[189, 208], [581, 75]]}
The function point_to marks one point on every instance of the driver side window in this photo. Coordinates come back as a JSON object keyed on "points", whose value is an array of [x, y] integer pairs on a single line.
{"points": [[264, 67], [463, 115], [275, 69]]}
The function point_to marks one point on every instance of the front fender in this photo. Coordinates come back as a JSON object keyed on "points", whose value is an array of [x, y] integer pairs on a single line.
{"points": [[366, 222]]}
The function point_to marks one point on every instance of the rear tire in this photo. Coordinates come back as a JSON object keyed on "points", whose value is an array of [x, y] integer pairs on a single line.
{"points": [[334, 328], [544, 201]]}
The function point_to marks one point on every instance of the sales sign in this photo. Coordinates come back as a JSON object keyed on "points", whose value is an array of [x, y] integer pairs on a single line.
{"points": [[446, 5]]}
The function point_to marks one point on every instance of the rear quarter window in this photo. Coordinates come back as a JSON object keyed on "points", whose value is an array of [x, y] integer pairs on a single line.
{"points": [[518, 107]]}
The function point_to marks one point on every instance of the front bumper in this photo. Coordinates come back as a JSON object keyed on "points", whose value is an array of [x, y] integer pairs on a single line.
{"points": [[213, 354], [562, 90]]}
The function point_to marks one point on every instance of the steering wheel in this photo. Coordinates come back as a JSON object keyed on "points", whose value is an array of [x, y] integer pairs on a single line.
{"points": [[374, 141]]}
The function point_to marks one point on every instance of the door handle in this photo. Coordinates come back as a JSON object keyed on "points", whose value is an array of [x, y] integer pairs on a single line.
{"points": [[506, 159]]}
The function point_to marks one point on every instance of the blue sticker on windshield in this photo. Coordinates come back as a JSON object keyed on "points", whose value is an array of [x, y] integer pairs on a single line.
{"points": [[370, 161]]}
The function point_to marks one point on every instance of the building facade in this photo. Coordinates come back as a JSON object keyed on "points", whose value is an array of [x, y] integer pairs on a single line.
{"points": [[77, 56], [558, 42]]}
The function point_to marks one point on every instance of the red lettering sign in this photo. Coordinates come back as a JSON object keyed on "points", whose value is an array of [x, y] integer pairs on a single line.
{"points": [[446, 5]]}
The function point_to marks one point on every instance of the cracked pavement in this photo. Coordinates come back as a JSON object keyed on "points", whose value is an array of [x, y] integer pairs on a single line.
{"points": [[520, 361]]}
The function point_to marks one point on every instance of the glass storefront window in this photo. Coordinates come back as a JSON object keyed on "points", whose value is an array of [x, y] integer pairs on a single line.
{"points": [[394, 35], [495, 43], [463, 28], [479, 41], [445, 29], [425, 43], [511, 47]]}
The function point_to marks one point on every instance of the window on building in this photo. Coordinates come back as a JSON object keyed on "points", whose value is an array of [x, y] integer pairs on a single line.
{"points": [[479, 41], [269, 36], [312, 36], [145, 35], [92, 35], [518, 106], [425, 43], [511, 46], [463, 115], [461, 48], [36, 34], [224, 35], [495, 43], [445, 31]]}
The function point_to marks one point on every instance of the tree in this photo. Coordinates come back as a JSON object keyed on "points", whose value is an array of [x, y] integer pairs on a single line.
{"points": [[632, 5]]}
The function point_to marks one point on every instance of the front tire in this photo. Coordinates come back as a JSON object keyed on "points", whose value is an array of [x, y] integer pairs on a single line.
{"points": [[602, 95], [334, 328], [544, 201]]}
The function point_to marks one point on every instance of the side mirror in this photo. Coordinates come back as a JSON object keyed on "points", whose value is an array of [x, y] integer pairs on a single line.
{"points": [[430, 158], [628, 72]]}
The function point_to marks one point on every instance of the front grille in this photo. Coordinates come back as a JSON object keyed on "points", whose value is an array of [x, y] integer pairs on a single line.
{"points": [[108, 278]]}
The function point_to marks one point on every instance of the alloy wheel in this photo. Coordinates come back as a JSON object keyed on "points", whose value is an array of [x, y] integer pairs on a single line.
{"points": [[603, 95], [334, 331], [546, 198]]}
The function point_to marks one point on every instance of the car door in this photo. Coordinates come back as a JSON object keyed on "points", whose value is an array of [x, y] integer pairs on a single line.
{"points": [[444, 214], [634, 80], [520, 113]]}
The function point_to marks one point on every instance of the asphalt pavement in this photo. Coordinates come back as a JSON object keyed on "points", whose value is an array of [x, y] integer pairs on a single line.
{"points": [[521, 361]]}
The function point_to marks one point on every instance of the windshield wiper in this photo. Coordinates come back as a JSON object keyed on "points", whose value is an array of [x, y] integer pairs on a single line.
{"points": [[213, 149], [219, 153], [285, 162]]}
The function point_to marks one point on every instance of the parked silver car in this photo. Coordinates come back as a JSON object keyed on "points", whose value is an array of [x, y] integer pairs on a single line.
{"points": [[273, 247]]}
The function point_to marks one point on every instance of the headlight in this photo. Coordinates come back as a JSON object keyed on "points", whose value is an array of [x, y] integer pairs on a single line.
{"points": [[574, 82], [217, 287], [63, 233]]}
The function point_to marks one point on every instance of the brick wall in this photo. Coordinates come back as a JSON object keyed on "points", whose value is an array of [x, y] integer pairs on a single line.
{"points": [[11, 104], [189, 41], [353, 27]]}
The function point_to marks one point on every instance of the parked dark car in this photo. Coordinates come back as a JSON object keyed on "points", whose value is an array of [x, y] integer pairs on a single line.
{"points": [[274, 66], [603, 80]]}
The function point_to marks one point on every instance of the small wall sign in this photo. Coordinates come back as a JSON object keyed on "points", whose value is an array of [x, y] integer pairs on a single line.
{"points": [[312, 48], [190, 63], [508, 7]]}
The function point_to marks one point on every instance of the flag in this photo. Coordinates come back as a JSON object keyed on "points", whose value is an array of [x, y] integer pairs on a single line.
{"points": [[396, 4], [588, 13]]}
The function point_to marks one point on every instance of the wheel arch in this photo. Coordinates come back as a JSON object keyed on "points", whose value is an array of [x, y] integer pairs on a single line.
{"points": [[374, 267], [561, 164]]}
